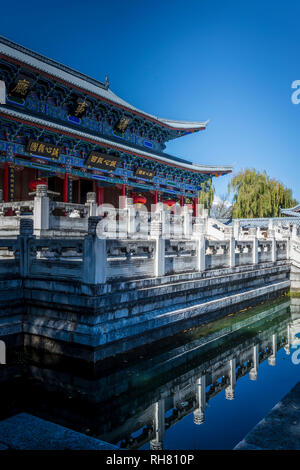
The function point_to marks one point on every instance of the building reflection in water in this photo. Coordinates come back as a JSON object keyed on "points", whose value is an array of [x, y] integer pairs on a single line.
{"points": [[136, 404]]}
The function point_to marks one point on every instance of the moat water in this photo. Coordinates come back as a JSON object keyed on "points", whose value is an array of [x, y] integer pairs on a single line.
{"points": [[177, 394]]}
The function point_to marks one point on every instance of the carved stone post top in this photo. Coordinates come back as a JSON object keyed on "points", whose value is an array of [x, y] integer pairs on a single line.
{"points": [[198, 417], [228, 230], [159, 206], [91, 197], [41, 190], [252, 231], [26, 227], [271, 232]]}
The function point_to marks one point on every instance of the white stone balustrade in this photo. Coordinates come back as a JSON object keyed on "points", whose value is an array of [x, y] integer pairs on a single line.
{"points": [[95, 259], [96, 244]]}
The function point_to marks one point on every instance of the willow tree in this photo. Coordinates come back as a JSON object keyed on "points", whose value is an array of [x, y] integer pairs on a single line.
{"points": [[257, 195], [206, 194]]}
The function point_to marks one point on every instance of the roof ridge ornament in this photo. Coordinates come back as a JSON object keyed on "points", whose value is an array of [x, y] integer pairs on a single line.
{"points": [[106, 82]]}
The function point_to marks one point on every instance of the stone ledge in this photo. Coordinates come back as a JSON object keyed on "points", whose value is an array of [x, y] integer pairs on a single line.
{"points": [[27, 432], [280, 429]]}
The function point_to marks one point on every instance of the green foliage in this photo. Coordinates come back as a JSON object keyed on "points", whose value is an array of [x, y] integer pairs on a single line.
{"points": [[257, 195], [206, 194]]}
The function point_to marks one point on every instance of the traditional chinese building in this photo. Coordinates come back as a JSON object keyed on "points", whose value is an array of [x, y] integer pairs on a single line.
{"points": [[292, 211], [64, 128]]}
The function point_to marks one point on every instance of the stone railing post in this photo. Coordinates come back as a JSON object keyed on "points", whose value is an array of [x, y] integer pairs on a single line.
{"points": [[157, 233], [294, 231], [231, 252], [274, 249], [187, 222], [156, 224], [91, 203], [236, 229], [1, 195], [255, 251], [200, 226], [272, 358], [288, 248], [271, 229], [94, 267], [200, 400], [131, 228], [254, 370], [158, 424], [26, 232], [159, 257], [229, 390], [229, 234], [41, 211], [201, 241], [252, 233]]}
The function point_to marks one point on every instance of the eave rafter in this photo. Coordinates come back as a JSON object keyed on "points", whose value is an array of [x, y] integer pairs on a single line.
{"points": [[160, 130], [72, 145]]}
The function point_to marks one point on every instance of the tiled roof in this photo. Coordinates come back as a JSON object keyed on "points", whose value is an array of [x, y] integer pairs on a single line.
{"points": [[292, 211], [84, 82], [263, 222], [112, 144]]}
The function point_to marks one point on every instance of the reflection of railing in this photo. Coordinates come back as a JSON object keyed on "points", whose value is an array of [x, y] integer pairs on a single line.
{"points": [[192, 393]]}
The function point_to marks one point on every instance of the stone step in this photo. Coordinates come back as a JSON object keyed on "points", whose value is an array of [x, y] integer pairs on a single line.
{"points": [[102, 334], [143, 301], [59, 291]]}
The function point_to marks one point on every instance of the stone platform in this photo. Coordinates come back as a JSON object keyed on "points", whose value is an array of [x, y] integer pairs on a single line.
{"points": [[280, 429], [92, 322], [27, 432]]}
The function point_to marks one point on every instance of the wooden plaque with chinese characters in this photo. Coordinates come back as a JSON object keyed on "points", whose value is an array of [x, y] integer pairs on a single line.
{"points": [[145, 173], [102, 161], [43, 148]]}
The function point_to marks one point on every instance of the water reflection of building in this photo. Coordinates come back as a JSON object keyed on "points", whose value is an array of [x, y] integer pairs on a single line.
{"points": [[294, 326], [220, 374], [136, 405]]}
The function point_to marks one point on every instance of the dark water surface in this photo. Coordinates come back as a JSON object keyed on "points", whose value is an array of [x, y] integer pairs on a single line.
{"points": [[176, 394]]}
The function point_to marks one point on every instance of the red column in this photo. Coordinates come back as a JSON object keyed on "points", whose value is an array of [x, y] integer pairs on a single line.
{"points": [[123, 194], [99, 196], [155, 197], [5, 184], [181, 201], [195, 206], [66, 187]]}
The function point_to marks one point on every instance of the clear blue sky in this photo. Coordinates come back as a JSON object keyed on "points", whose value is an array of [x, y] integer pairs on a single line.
{"points": [[231, 62]]}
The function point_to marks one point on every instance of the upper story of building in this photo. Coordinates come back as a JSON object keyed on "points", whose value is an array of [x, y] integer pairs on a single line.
{"points": [[49, 89], [92, 132]]}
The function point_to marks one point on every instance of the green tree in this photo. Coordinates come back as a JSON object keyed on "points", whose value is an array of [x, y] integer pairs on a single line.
{"points": [[206, 194], [257, 195]]}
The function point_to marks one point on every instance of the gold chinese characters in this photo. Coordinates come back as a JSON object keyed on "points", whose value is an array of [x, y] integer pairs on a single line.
{"points": [[43, 148]]}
